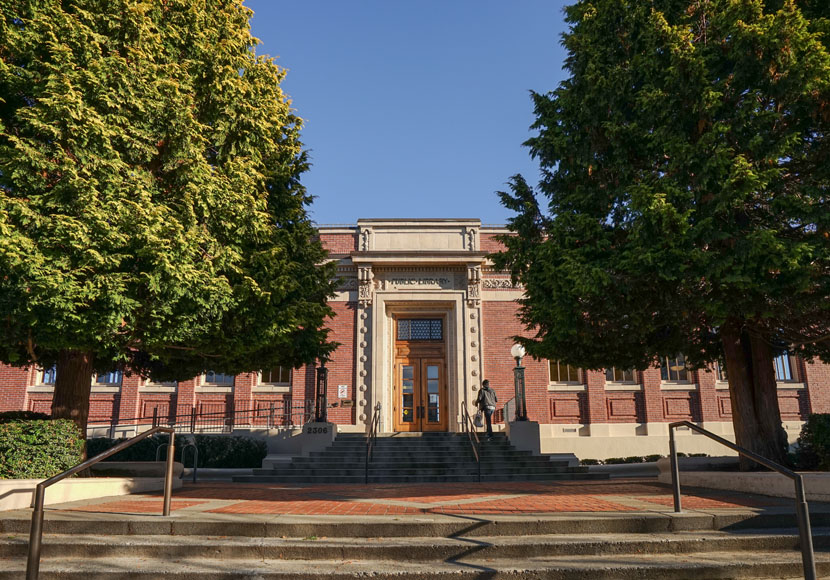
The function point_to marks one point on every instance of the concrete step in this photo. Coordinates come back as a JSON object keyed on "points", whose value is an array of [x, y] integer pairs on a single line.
{"points": [[781, 565], [396, 470], [405, 549], [62, 523]]}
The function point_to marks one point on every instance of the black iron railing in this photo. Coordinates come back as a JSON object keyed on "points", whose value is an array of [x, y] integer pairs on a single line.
{"points": [[371, 439], [472, 436], [808, 557], [277, 414]]}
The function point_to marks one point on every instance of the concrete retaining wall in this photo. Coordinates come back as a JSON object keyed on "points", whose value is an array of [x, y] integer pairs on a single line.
{"points": [[17, 493], [816, 485]]}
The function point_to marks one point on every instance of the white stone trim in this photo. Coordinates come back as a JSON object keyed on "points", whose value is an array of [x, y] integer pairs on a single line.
{"points": [[567, 387], [271, 388], [214, 389], [678, 386], [157, 388], [619, 386]]}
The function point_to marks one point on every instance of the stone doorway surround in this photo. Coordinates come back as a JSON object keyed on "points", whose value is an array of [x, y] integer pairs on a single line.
{"points": [[419, 268]]}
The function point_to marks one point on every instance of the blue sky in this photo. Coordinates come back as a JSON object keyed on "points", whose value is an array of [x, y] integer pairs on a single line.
{"points": [[413, 108]]}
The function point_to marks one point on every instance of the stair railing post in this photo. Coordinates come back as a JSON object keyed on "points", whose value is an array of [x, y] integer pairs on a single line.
{"points": [[36, 534], [271, 416], [193, 419], [805, 534], [168, 475], [675, 471]]}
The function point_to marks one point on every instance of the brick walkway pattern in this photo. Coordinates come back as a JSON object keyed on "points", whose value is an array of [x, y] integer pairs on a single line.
{"points": [[512, 498]]}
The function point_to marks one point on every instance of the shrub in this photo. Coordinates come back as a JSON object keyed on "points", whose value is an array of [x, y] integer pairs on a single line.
{"points": [[38, 449], [590, 462], [214, 450], [7, 416], [652, 458], [814, 443]]}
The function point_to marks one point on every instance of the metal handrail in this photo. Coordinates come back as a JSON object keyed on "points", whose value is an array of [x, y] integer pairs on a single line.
{"points": [[36, 531], [184, 449], [808, 557], [371, 439], [472, 436], [294, 412]]}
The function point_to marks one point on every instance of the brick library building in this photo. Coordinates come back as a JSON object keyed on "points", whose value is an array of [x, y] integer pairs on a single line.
{"points": [[422, 319]]}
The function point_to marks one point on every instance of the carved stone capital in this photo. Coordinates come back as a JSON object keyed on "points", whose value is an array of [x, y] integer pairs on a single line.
{"points": [[365, 278], [473, 286]]}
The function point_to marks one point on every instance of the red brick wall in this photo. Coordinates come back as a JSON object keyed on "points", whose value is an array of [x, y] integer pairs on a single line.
{"points": [[488, 243], [339, 244], [13, 381], [342, 364], [499, 324]]}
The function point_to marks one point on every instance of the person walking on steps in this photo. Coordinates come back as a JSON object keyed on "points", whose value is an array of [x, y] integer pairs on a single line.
{"points": [[486, 402]]}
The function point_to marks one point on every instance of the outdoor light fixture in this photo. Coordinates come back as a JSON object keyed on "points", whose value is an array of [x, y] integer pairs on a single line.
{"points": [[518, 352], [320, 411]]}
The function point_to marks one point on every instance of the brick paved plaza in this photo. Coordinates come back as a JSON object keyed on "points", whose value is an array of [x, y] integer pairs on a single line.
{"points": [[513, 498]]}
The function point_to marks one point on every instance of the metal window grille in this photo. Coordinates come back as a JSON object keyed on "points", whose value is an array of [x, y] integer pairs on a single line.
{"points": [[421, 329]]}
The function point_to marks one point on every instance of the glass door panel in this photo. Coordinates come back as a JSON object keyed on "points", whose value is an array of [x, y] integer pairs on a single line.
{"points": [[433, 395], [407, 403]]}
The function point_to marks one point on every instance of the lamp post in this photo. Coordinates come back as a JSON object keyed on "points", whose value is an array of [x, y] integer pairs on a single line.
{"points": [[518, 352], [321, 403]]}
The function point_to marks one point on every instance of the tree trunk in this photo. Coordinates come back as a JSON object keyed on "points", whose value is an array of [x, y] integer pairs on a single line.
{"points": [[753, 393], [72, 387]]}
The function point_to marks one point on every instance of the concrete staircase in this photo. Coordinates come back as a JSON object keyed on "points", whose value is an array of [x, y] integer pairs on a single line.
{"points": [[568, 547], [418, 457]]}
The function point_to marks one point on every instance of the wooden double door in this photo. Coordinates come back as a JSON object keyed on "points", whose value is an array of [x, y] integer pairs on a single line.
{"points": [[420, 395], [420, 381]]}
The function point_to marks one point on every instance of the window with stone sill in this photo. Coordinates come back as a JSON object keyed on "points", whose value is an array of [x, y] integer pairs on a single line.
{"points": [[214, 379], [564, 374], [110, 379], [673, 370], [786, 368], [47, 376], [615, 375], [275, 376]]}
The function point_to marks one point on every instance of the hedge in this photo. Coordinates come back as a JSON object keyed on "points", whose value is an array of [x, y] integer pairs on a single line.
{"points": [[814, 443], [214, 450], [38, 449]]}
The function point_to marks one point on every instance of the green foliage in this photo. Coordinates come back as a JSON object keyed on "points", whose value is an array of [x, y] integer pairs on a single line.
{"points": [[151, 210], [814, 443], [631, 459], [685, 175], [8, 416], [38, 449], [214, 450]]}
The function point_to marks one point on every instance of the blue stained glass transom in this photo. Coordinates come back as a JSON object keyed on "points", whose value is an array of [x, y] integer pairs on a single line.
{"points": [[421, 329]]}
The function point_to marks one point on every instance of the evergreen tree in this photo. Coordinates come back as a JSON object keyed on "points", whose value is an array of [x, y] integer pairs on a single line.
{"points": [[151, 213], [685, 165]]}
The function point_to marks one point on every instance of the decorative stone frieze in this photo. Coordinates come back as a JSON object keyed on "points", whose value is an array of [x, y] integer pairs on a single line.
{"points": [[492, 283]]}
